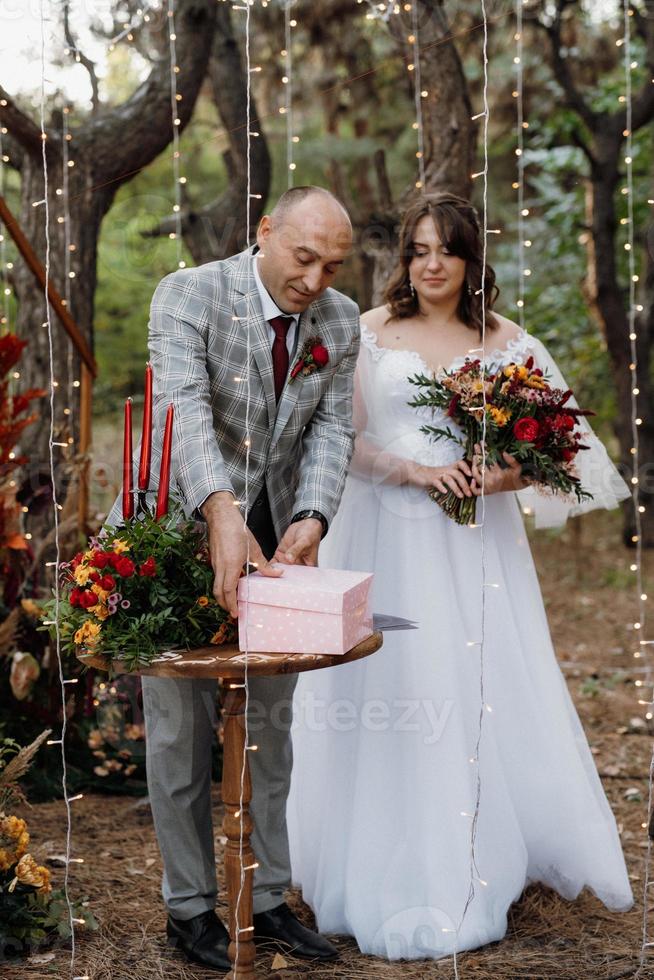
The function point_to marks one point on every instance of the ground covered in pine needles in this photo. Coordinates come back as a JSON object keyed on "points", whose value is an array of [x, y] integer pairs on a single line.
{"points": [[592, 604]]}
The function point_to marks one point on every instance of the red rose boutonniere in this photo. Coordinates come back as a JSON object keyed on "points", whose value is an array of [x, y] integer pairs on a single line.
{"points": [[313, 356]]}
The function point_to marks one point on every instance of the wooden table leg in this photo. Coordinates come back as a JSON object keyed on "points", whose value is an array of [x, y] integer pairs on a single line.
{"points": [[237, 827]]}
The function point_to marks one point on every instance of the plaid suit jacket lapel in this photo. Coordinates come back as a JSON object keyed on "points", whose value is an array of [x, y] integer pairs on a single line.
{"points": [[247, 301]]}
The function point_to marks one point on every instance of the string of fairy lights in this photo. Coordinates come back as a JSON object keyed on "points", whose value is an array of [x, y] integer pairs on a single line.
{"points": [[634, 309], [475, 877], [175, 99], [419, 95], [519, 184], [55, 508], [240, 813], [69, 273], [4, 265], [287, 80]]}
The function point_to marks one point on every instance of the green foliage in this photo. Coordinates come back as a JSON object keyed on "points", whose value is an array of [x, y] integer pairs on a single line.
{"points": [[139, 589]]}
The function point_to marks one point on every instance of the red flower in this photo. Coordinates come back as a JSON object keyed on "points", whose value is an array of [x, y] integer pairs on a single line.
{"points": [[75, 595], [11, 347], [95, 577], [76, 560], [148, 568], [320, 355], [298, 367], [124, 566], [101, 558], [451, 408], [88, 599], [568, 454], [564, 423], [529, 364], [526, 430], [108, 583]]}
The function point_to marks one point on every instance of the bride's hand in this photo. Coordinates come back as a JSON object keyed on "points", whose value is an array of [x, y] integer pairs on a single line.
{"points": [[454, 477], [497, 479]]}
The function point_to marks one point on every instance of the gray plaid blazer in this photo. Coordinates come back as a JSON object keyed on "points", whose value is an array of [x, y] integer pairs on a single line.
{"points": [[200, 321]]}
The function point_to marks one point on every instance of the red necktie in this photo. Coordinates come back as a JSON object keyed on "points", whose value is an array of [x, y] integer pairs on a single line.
{"points": [[280, 358]]}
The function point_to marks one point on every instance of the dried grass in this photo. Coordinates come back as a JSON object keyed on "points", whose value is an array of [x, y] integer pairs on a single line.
{"points": [[547, 939]]}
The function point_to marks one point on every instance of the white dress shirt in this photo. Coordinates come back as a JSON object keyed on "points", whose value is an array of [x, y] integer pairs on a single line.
{"points": [[271, 310]]}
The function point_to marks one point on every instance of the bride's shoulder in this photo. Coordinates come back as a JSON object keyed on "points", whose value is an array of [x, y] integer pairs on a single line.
{"points": [[376, 319], [505, 332]]}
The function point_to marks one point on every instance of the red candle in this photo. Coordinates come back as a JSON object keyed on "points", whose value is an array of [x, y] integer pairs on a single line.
{"points": [[128, 486], [164, 470], [146, 434]]}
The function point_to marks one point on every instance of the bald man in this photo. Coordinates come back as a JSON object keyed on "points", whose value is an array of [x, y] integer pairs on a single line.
{"points": [[272, 299]]}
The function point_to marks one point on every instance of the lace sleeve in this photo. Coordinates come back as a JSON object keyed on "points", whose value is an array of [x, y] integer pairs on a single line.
{"points": [[596, 471], [370, 461]]}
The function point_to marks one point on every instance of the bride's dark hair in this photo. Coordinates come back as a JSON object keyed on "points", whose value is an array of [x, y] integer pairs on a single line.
{"points": [[458, 228]]}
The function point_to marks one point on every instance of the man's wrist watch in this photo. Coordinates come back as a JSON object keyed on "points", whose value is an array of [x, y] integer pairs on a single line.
{"points": [[304, 515]]}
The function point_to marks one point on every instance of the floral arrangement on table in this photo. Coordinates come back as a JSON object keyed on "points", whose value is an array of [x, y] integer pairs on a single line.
{"points": [[31, 912], [146, 586], [512, 410]]}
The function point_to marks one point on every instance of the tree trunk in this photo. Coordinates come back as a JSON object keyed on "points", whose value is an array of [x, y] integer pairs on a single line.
{"points": [[219, 229], [611, 303], [449, 133]]}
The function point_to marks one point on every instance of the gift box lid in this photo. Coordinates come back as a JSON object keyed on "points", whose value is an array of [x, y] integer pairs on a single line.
{"points": [[326, 590]]}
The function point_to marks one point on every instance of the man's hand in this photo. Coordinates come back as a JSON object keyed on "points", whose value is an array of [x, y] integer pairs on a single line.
{"points": [[231, 544], [300, 544]]}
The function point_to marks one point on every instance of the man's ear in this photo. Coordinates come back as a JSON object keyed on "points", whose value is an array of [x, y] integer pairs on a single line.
{"points": [[263, 230]]}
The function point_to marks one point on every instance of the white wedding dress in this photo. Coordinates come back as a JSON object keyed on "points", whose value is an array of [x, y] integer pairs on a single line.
{"points": [[385, 779]]}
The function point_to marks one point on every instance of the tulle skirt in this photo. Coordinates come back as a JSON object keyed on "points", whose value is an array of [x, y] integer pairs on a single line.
{"points": [[387, 766]]}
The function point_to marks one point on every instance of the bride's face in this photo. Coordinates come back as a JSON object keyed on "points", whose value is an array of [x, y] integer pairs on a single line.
{"points": [[436, 274]]}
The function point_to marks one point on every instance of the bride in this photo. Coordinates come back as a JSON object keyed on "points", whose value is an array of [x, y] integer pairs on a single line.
{"points": [[384, 786]]}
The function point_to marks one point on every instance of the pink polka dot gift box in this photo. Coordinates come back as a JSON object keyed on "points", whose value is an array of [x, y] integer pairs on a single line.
{"points": [[307, 610]]}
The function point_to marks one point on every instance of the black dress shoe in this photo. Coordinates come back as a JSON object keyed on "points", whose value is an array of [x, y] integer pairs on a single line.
{"points": [[203, 939], [279, 929]]}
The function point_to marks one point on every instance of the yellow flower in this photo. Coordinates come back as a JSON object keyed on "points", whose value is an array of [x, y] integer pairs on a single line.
{"points": [[31, 608], [95, 739], [14, 840], [102, 594], [512, 369], [81, 574], [499, 416], [28, 872], [220, 635], [100, 612], [88, 633], [203, 600], [120, 547], [535, 381]]}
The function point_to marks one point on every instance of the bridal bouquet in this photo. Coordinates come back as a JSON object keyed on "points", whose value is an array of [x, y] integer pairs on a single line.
{"points": [[140, 589], [523, 416]]}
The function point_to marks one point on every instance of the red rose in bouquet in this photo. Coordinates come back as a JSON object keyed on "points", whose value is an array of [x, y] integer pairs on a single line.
{"points": [[123, 565], [149, 568], [526, 430]]}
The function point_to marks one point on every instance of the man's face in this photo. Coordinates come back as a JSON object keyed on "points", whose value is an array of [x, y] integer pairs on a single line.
{"points": [[302, 251]]}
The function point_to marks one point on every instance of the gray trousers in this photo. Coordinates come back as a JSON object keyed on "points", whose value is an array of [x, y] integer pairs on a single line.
{"points": [[180, 720]]}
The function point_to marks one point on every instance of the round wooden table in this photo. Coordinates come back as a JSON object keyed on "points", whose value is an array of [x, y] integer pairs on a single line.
{"points": [[228, 664]]}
